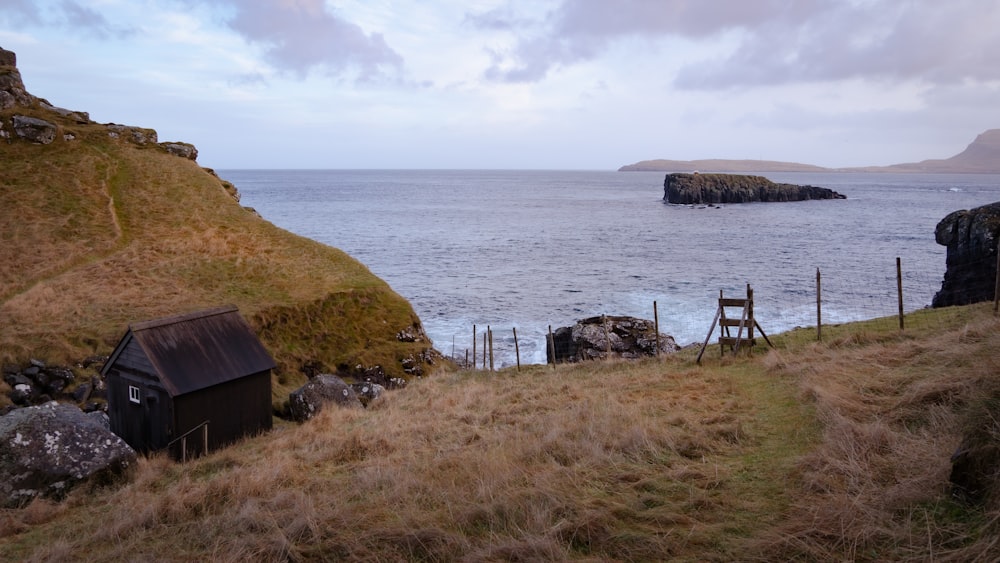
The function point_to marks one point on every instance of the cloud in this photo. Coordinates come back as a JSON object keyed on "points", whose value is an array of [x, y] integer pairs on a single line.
{"points": [[85, 19], [300, 35], [67, 14], [774, 41]]}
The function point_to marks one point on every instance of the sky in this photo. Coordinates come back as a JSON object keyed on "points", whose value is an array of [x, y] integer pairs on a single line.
{"points": [[522, 84]]}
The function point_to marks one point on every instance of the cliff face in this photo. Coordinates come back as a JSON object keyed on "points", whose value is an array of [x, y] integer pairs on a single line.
{"points": [[736, 188], [971, 237]]}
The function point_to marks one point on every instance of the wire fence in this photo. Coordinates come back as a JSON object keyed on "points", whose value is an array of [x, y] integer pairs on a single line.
{"points": [[818, 300]]}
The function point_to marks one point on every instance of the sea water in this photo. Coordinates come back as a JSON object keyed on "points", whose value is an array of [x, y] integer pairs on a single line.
{"points": [[533, 249]]}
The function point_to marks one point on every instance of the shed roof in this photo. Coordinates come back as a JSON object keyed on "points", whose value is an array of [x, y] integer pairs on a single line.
{"points": [[198, 350]]}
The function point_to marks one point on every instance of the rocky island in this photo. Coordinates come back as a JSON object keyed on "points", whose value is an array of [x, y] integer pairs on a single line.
{"points": [[736, 188], [971, 238]]}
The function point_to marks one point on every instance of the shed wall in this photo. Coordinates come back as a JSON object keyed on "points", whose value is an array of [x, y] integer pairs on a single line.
{"points": [[234, 409]]}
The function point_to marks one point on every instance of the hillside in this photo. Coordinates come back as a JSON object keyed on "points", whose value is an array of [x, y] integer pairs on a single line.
{"points": [[982, 156], [101, 225], [833, 451]]}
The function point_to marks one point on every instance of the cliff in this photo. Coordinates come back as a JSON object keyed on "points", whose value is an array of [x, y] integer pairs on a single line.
{"points": [[102, 225], [735, 188], [971, 238]]}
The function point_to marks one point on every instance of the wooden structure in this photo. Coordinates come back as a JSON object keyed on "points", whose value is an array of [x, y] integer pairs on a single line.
{"points": [[744, 321], [191, 382]]}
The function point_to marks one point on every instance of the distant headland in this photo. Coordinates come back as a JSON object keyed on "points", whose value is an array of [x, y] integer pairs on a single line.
{"points": [[982, 156]]}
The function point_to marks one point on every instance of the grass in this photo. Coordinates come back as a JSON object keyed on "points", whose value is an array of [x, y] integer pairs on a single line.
{"points": [[96, 233], [812, 451]]}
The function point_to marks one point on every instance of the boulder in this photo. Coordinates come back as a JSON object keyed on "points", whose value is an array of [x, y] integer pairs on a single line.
{"points": [[971, 260], [137, 135], [307, 401], [367, 392], [736, 188], [34, 130], [47, 449], [183, 150], [588, 339]]}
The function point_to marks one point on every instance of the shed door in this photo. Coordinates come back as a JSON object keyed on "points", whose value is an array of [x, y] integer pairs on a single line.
{"points": [[156, 418]]}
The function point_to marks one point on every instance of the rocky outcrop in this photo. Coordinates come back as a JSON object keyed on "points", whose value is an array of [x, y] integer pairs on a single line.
{"points": [[39, 128], [307, 401], [736, 188], [45, 450], [588, 339], [970, 265]]}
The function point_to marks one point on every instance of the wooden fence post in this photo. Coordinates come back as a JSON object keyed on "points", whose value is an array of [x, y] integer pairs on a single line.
{"points": [[656, 327], [996, 289], [204, 439], [474, 337], [517, 350], [607, 335], [819, 307], [485, 338], [490, 332], [552, 347], [899, 289]]}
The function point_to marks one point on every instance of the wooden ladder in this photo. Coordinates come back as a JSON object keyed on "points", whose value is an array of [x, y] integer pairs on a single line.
{"points": [[745, 322]]}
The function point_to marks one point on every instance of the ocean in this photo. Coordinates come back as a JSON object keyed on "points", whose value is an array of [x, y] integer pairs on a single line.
{"points": [[533, 249]]}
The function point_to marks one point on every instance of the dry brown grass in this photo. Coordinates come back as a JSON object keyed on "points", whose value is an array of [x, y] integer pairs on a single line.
{"points": [[834, 451], [606, 461]]}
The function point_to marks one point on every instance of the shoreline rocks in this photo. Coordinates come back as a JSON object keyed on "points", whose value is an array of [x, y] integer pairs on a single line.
{"points": [[970, 265], [736, 188], [588, 339]]}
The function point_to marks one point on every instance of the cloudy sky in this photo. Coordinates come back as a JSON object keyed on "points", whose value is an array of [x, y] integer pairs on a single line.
{"points": [[549, 84]]}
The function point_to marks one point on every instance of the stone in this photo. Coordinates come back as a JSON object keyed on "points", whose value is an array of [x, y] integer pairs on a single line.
{"points": [[183, 150], [47, 449], [736, 188], [970, 264], [78, 116], [630, 338], [34, 130], [137, 135], [81, 393], [367, 392], [7, 58], [307, 401]]}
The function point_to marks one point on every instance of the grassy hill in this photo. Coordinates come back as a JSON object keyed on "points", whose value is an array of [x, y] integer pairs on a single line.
{"points": [[98, 231], [813, 451]]}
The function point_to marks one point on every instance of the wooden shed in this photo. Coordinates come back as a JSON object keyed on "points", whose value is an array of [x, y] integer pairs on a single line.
{"points": [[200, 380]]}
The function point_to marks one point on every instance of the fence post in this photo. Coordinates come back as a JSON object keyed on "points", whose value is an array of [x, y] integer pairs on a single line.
{"points": [[819, 307], [485, 337], [656, 327], [996, 290], [607, 335], [552, 347], [204, 439], [474, 336], [899, 289], [517, 350], [490, 332]]}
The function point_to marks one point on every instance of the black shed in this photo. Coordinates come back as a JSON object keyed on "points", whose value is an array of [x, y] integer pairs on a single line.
{"points": [[175, 377]]}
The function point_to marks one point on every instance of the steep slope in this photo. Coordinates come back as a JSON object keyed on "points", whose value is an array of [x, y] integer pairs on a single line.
{"points": [[101, 225]]}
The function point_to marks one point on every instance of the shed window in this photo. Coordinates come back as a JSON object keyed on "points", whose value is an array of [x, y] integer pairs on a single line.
{"points": [[133, 394]]}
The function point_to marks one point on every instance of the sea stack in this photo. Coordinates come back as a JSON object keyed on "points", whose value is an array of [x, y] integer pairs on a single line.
{"points": [[736, 188]]}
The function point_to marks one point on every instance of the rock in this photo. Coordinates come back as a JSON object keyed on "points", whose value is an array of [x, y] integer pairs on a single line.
{"points": [[47, 449], [81, 393], [78, 116], [307, 401], [631, 338], [34, 130], [7, 58], [367, 392], [137, 135], [21, 394], [736, 188], [970, 265], [184, 150]]}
